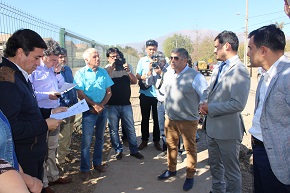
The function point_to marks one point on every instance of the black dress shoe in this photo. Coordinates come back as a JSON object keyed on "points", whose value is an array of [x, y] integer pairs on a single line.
{"points": [[157, 146], [85, 176], [137, 155], [142, 145]]}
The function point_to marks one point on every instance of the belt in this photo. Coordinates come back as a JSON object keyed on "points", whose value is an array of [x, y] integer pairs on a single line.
{"points": [[257, 142]]}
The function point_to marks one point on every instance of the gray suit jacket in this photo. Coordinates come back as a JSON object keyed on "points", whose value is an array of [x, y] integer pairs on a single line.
{"points": [[226, 102], [275, 121]]}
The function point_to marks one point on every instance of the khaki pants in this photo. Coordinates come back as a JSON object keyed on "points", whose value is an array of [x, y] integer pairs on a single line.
{"points": [[66, 130], [51, 172], [187, 130]]}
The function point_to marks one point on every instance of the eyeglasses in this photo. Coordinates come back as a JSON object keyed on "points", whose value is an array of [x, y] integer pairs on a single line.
{"points": [[175, 58], [114, 57]]}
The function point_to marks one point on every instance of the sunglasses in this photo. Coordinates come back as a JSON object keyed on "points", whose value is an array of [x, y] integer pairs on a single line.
{"points": [[175, 58], [114, 57]]}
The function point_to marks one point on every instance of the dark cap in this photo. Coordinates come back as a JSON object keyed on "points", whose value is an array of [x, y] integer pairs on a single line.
{"points": [[151, 43]]}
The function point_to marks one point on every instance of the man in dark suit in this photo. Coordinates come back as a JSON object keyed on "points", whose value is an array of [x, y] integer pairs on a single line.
{"points": [[17, 100], [222, 102], [270, 130]]}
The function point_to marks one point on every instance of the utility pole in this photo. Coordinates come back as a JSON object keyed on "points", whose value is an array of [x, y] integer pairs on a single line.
{"points": [[246, 36]]}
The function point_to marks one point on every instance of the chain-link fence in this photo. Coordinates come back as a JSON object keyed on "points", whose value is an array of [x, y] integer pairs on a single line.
{"points": [[12, 19]]}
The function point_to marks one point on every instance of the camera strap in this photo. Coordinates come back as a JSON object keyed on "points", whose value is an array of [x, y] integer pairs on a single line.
{"points": [[161, 82]]}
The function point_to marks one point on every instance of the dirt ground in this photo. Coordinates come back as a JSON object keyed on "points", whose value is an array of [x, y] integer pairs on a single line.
{"points": [[89, 186]]}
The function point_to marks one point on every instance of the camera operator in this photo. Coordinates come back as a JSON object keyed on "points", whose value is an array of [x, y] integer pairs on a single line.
{"points": [[119, 105], [158, 68], [155, 77], [148, 100]]}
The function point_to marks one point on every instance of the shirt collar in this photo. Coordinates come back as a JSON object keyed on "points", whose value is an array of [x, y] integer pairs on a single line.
{"points": [[228, 61], [89, 69], [25, 74], [273, 69], [184, 69]]}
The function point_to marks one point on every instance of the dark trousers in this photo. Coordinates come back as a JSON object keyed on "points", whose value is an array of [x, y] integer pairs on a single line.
{"points": [[264, 179], [31, 160], [146, 103]]}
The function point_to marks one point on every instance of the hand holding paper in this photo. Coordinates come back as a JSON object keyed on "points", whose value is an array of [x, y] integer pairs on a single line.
{"points": [[73, 110]]}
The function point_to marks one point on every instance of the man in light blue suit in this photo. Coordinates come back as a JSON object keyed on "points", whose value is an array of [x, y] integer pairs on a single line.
{"points": [[271, 123], [222, 103]]}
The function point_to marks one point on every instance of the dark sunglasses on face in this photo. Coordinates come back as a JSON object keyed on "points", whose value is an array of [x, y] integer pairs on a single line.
{"points": [[175, 58]]}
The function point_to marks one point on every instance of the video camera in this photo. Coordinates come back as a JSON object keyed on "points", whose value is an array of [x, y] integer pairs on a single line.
{"points": [[156, 61], [119, 62]]}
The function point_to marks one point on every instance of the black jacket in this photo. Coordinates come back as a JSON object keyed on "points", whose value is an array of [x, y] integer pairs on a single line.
{"points": [[18, 103]]}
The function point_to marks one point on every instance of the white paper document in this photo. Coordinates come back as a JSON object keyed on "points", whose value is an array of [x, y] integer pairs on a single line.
{"points": [[77, 108], [66, 87]]}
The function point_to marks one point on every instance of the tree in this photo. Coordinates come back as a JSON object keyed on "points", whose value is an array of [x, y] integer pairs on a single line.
{"points": [[127, 50], [131, 51], [177, 41], [203, 50]]}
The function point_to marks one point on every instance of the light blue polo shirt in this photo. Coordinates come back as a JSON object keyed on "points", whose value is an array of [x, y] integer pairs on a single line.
{"points": [[93, 84], [143, 68]]}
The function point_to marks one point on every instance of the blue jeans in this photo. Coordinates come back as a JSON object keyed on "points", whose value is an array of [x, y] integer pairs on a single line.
{"points": [[125, 113], [161, 120], [90, 123]]}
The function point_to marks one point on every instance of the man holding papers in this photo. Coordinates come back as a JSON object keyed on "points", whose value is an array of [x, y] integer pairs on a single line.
{"points": [[46, 82]]}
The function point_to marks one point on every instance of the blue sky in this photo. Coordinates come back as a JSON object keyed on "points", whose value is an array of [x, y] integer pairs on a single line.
{"points": [[126, 21]]}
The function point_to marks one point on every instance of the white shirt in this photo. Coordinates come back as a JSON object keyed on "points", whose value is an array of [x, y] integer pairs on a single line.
{"points": [[255, 130]]}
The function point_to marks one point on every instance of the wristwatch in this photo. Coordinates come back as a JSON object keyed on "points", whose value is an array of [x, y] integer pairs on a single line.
{"points": [[57, 72]]}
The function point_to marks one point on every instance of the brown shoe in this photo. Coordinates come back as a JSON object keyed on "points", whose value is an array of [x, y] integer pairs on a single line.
{"points": [[85, 176], [47, 190], [142, 145], [157, 145], [100, 168], [63, 180]]}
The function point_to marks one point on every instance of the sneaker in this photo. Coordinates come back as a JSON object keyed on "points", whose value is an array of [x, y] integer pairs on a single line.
{"points": [[166, 174], [119, 155], [188, 184], [137, 155], [179, 158], [162, 155], [142, 145]]}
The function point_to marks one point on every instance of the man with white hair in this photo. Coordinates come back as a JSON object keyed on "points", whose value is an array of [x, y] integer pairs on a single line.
{"points": [[93, 85]]}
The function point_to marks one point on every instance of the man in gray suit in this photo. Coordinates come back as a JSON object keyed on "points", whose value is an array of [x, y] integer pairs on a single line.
{"points": [[271, 124], [222, 103]]}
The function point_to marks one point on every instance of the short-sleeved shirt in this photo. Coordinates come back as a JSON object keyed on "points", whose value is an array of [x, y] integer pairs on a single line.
{"points": [[93, 83], [143, 68]]}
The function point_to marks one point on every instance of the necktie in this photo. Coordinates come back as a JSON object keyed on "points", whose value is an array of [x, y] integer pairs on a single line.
{"points": [[217, 77]]}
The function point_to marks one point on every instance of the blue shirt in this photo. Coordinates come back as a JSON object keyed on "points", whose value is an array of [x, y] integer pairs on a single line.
{"points": [[6, 142], [69, 98], [93, 84], [142, 69]]}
